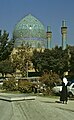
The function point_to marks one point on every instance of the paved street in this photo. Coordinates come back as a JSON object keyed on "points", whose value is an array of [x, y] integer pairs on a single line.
{"points": [[39, 109]]}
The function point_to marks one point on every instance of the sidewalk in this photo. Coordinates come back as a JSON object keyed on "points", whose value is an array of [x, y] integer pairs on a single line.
{"points": [[42, 108], [69, 106], [56, 103]]}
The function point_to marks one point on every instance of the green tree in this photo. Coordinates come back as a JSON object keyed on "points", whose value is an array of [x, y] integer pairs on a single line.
{"points": [[21, 59], [6, 45], [36, 59], [59, 62], [6, 66], [71, 59], [55, 60]]}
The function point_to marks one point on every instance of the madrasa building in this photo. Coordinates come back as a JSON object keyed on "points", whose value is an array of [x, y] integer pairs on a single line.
{"points": [[31, 31]]}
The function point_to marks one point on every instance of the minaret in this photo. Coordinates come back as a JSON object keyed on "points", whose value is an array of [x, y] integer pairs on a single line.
{"points": [[64, 35], [49, 36]]}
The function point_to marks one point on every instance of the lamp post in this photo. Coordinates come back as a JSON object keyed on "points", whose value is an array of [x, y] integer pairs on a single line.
{"points": [[27, 68]]}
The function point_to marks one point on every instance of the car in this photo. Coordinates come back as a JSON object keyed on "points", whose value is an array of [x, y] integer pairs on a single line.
{"points": [[57, 89], [71, 90]]}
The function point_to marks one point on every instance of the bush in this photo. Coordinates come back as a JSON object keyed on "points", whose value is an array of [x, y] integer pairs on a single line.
{"points": [[25, 86], [10, 84], [50, 79]]}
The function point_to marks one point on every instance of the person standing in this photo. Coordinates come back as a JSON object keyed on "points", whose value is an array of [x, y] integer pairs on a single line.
{"points": [[64, 94]]}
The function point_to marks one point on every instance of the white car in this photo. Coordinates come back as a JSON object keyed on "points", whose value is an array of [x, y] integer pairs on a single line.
{"points": [[57, 89], [70, 88]]}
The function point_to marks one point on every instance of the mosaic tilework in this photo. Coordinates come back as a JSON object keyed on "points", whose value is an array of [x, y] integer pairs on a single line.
{"points": [[30, 30]]}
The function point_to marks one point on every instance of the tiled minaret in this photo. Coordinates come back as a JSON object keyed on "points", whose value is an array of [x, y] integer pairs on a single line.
{"points": [[49, 37], [64, 35]]}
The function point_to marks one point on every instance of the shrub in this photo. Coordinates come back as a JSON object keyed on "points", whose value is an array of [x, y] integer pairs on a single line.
{"points": [[10, 84], [50, 79], [25, 86]]}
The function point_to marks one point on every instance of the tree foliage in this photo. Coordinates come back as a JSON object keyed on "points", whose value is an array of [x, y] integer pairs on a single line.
{"points": [[50, 79], [21, 59], [71, 58], [6, 66], [55, 60], [6, 45]]}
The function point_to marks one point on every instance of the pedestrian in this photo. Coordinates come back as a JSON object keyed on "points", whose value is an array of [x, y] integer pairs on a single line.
{"points": [[64, 93]]}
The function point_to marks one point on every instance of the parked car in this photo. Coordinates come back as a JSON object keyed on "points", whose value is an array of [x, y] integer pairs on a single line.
{"points": [[71, 90], [57, 89]]}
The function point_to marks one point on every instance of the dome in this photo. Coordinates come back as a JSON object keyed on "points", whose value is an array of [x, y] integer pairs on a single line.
{"points": [[30, 30]]}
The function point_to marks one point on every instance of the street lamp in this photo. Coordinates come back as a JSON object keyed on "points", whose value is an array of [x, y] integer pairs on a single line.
{"points": [[27, 68]]}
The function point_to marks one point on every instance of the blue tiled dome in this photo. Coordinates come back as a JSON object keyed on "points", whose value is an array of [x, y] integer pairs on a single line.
{"points": [[30, 30]]}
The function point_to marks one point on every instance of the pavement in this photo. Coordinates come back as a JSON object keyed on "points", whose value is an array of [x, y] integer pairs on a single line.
{"points": [[41, 108], [16, 97], [55, 102]]}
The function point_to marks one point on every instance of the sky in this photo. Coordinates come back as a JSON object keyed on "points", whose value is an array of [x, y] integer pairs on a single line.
{"points": [[49, 12]]}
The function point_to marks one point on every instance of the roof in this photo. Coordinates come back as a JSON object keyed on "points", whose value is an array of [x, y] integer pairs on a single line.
{"points": [[30, 29]]}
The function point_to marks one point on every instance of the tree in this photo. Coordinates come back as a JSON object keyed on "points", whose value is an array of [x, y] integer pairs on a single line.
{"points": [[55, 60], [21, 59], [36, 59], [71, 59], [6, 66], [6, 45], [60, 60]]}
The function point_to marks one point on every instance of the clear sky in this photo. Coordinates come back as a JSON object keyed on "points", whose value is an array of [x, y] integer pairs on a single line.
{"points": [[49, 12]]}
